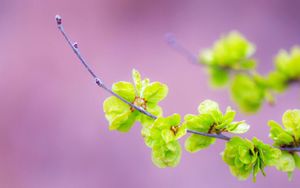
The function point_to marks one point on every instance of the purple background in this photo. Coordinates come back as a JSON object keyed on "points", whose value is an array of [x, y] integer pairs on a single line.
{"points": [[52, 128]]}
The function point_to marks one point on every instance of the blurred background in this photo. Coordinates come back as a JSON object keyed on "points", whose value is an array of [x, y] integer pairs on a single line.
{"points": [[52, 128]]}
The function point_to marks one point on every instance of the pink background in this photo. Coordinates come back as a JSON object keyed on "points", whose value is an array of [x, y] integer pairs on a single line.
{"points": [[52, 128]]}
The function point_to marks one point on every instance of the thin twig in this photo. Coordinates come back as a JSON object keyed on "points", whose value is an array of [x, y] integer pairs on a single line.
{"points": [[99, 82]]}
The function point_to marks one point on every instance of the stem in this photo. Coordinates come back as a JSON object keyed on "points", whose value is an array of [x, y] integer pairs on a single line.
{"points": [[296, 149]]}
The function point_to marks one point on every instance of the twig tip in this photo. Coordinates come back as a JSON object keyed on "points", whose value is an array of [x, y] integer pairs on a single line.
{"points": [[58, 19]]}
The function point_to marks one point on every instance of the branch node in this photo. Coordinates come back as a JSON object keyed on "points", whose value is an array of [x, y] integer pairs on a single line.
{"points": [[99, 82], [75, 45]]}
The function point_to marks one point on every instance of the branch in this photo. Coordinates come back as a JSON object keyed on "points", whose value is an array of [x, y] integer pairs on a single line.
{"points": [[296, 149], [219, 136], [101, 84]]}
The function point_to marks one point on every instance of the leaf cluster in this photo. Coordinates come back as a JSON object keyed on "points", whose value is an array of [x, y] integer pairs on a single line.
{"points": [[287, 136], [162, 134], [230, 62], [142, 93], [211, 120], [245, 157]]}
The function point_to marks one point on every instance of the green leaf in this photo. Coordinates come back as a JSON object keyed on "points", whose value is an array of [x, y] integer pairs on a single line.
{"points": [[241, 174], [197, 142], [297, 160], [113, 107], [289, 64], [239, 155], [279, 135], [123, 122], [174, 119], [244, 157], [268, 154], [207, 56], [168, 129], [230, 51], [238, 127], [248, 64], [277, 81], [146, 133], [125, 90], [152, 109], [208, 106], [247, 93], [229, 115], [281, 60], [219, 76], [291, 121], [163, 137], [201, 123], [155, 92], [286, 162], [166, 155], [136, 76]]}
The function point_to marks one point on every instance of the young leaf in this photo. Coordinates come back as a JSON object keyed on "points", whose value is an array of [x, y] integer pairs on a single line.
{"points": [[155, 92], [115, 109], [247, 93], [278, 81], [168, 129], [289, 64], [238, 127], [166, 155], [291, 121], [124, 89], [208, 106], [279, 135], [297, 160], [286, 162], [219, 76], [197, 142]]}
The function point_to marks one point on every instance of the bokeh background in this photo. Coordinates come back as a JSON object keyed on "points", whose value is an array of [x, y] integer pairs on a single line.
{"points": [[53, 133]]}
